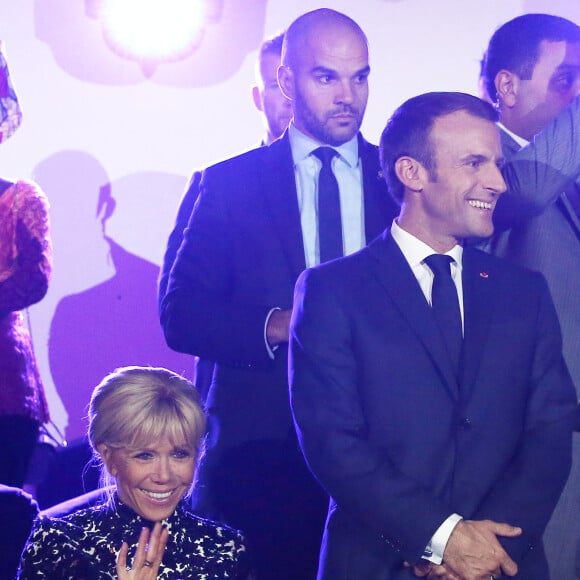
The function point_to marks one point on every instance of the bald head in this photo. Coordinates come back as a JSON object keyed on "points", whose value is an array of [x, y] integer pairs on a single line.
{"points": [[324, 74], [309, 25]]}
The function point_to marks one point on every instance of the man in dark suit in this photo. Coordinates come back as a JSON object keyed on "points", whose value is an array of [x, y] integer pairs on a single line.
{"points": [[444, 453], [276, 114], [253, 230], [532, 72]]}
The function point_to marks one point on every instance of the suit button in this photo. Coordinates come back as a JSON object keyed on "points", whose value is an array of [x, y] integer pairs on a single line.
{"points": [[465, 423]]}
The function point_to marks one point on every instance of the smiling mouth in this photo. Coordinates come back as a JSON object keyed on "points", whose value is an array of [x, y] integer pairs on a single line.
{"points": [[158, 495], [480, 204]]}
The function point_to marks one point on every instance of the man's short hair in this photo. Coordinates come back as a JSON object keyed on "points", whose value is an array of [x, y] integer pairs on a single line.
{"points": [[408, 131], [272, 45], [515, 46]]}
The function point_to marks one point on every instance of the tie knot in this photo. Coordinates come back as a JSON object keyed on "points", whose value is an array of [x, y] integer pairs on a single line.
{"points": [[439, 264], [325, 154]]}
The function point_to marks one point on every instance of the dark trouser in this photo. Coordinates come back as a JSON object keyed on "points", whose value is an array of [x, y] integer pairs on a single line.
{"points": [[18, 436], [264, 489]]}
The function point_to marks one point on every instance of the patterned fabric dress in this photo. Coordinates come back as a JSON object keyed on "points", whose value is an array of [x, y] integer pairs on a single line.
{"points": [[85, 546], [25, 266]]}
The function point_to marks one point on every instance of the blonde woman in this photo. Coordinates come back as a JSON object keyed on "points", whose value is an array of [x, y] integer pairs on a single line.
{"points": [[146, 425]]}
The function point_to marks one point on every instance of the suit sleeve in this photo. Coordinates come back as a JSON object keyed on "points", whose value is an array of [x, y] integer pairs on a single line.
{"points": [[527, 491], [176, 236], [201, 313], [398, 511], [538, 173]]}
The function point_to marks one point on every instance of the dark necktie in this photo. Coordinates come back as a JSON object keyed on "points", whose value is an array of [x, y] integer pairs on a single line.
{"points": [[329, 220], [573, 195], [445, 304]]}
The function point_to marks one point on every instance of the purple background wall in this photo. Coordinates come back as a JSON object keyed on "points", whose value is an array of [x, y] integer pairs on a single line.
{"points": [[113, 149]]}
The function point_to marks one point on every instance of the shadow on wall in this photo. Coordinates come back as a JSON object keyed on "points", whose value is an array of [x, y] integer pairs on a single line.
{"points": [[113, 322], [74, 33]]}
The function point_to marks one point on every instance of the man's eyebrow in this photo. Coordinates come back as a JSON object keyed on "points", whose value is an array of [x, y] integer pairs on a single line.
{"points": [[322, 70], [330, 71], [568, 67], [475, 157], [364, 71]]}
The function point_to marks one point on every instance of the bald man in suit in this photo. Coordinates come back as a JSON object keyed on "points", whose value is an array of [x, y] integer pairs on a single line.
{"points": [[254, 229]]}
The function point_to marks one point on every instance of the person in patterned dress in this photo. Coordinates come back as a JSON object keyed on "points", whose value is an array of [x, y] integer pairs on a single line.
{"points": [[25, 267], [146, 426]]}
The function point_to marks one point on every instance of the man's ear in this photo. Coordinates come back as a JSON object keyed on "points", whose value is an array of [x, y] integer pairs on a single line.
{"points": [[507, 85], [286, 81], [257, 98], [411, 173], [106, 454]]}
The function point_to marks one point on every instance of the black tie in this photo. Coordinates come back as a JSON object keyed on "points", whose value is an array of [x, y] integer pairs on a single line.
{"points": [[446, 304], [329, 221]]}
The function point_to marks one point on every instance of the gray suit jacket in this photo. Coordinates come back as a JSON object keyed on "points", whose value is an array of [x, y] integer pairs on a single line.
{"points": [[538, 227]]}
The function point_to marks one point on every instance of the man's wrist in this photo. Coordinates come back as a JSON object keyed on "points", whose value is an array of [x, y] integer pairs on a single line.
{"points": [[436, 547], [271, 349]]}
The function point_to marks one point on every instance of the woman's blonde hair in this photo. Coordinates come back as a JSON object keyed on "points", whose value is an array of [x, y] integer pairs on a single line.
{"points": [[134, 407]]}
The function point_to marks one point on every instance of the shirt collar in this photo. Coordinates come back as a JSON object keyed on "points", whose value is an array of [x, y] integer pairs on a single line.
{"points": [[302, 146], [415, 251], [519, 140]]}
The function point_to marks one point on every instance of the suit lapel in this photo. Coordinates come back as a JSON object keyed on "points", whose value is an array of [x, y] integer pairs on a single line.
{"points": [[379, 207], [570, 205], [279, 189], [393, 273], [479, 287], [564, 204]]}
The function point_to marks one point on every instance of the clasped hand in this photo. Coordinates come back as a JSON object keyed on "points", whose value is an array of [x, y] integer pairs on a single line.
{"points": [[473, 552]]}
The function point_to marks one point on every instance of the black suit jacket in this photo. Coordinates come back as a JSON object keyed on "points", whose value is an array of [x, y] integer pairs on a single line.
{"points": [[396, 439], [240, 257]]}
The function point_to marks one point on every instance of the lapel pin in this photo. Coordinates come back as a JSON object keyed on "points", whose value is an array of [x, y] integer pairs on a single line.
{"points": [[484, 274], [380, 175]]}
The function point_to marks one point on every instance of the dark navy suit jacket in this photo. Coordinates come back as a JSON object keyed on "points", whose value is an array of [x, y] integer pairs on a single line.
{"points": [[397, 440], [240, 257]]}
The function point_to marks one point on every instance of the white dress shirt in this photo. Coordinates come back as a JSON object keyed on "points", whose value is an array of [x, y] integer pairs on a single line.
{"points": [[415, 251], [347, 169]]}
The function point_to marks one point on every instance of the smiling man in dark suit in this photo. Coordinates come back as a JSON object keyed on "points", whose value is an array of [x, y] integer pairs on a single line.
{"points": [[254, 229], [444, 446]]}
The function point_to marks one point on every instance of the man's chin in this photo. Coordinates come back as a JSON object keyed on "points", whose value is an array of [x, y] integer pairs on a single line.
{"points": [[341, 135]]}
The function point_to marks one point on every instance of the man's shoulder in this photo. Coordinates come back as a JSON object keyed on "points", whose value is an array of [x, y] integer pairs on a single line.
{"points": [[345, 272], [367, 146], [504, 270], [254, 158]]}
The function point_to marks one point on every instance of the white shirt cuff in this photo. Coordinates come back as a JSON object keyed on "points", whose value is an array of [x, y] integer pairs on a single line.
{"points": [[436, 547], [271, 349]]}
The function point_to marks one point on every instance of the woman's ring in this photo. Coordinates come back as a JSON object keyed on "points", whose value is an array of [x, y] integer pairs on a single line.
{"points": [[149, 564]]}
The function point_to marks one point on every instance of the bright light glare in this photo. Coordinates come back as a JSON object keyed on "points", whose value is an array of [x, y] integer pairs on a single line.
{"points": [[155, 30]]}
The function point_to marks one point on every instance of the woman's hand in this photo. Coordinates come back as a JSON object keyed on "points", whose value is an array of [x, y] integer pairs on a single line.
{"points": [[148, 557]]}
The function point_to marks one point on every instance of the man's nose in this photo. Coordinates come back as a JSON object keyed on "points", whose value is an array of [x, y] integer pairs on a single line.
{"points": [[346, 92], [495, 181]]}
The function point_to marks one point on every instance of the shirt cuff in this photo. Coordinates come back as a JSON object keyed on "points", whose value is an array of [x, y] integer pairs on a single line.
{"points": [[271, 349], [436, 547]]}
